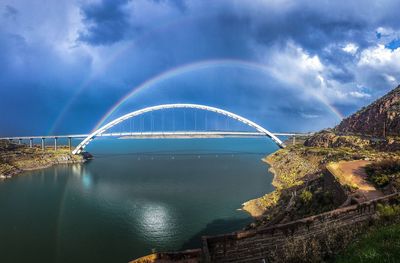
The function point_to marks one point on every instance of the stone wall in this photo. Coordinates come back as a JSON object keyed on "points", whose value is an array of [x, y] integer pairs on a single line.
{"points": [[307, 239]]}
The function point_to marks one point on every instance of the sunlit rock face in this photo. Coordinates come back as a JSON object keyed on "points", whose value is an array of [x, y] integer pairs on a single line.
{"points": [[332, 140], [379, 119]]}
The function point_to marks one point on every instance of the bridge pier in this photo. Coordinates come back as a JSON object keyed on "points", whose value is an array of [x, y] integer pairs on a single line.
{"points": [[43, 146], [69, 143], [30, 142], [55, 143]]}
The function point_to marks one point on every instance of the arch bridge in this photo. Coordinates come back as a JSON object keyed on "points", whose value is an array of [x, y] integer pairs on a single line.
{"points": [[102, 130], [106, 130]]}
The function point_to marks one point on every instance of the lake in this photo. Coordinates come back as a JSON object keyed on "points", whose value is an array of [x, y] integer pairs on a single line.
{"points": [[134, 197]]}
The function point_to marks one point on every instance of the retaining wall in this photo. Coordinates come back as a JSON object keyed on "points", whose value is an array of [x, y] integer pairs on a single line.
{"points": [[323, 232]]}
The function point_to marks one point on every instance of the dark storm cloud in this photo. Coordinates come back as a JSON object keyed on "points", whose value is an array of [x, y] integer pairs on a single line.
{"points": [[317, 24], [106, 22], [10, 12], [309, 29]]}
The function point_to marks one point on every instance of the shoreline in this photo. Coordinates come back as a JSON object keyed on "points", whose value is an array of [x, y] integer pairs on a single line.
{"points": [[18, 171], [16, 159], [254, 206]]}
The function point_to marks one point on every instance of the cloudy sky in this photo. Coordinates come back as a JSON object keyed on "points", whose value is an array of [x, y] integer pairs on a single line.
{"points": [[289, 65]]}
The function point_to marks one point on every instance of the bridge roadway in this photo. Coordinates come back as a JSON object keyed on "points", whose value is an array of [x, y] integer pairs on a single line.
{"points": [[156, 134], [171, 134]]}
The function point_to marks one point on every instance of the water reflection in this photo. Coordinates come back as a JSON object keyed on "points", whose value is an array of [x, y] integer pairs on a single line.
{"points": [[83, 174], [156, 221], [86, 180]]}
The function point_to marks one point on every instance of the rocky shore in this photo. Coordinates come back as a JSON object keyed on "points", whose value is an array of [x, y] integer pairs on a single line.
{"points": [[296, 166], [290, 167], [15, 159]]}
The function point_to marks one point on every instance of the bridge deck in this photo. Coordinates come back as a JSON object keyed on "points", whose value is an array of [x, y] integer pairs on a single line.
{"points": [[160, 134]]}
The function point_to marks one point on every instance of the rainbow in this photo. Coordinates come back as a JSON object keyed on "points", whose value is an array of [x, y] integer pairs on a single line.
{"points": [[164, 75], [177, 71], [116, 54]]}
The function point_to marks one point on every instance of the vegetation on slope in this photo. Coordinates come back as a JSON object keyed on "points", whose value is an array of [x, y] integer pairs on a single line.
{"points": [[384, 172], [297, 169], [381, 243]]}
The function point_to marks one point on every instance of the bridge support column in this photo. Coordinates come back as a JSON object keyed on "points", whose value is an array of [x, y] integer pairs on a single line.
{"points": [[30, 142], [43, 146], [55, 143], [69, 143]]}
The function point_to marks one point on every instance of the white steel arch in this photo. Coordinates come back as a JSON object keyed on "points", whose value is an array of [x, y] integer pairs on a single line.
{"points": [[107, 126]]}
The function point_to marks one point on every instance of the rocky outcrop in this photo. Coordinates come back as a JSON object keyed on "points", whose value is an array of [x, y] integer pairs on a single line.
{"points": [[329, 139], [15, 158], [379, 119], [376, 126]]}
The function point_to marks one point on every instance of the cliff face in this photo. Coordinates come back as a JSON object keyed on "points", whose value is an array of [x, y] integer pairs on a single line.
{"points": [[379, 119]]}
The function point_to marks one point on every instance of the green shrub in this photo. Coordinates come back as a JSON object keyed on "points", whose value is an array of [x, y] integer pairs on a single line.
{"points": [[306, 196], [388, 212], [381, 173], [380, 180]]}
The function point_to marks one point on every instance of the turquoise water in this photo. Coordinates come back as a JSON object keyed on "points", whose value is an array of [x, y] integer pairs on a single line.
{"points": [[135, 196]]}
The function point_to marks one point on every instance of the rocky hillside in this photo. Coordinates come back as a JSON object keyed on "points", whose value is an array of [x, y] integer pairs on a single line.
{"points": [[379, 119], [330, 139]]}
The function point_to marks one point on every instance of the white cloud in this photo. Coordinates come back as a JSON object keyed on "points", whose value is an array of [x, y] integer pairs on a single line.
{"points": [[359, 95], [380, 56], [390, 78], [293, 65], [386, 34], [378, 67], [384, 31], [350, 48], [305, 72]]}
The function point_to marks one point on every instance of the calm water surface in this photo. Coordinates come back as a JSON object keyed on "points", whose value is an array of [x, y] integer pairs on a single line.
{"points": [[135, 196]]}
